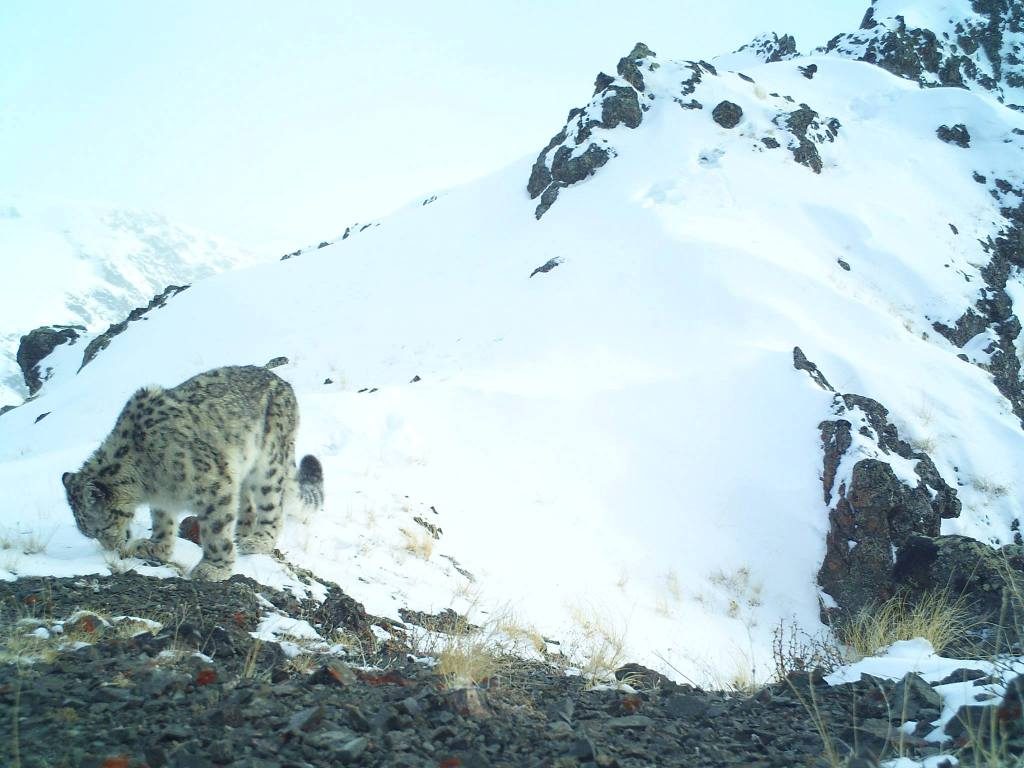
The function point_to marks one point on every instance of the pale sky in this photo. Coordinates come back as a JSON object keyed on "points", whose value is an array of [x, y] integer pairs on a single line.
{"points": [[276, 124]]}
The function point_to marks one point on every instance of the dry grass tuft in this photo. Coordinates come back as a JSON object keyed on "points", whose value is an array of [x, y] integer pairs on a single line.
{"points": [[419, 543], [938, 617], [599, 647], [467, 660]]}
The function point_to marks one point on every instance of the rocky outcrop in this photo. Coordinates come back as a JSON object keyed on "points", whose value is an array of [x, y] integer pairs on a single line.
{"points": [[102, 341], [771, 47], [983, 51], [36, 345], [993, 311], [985, 578], [585, 144], [808, 132], [574, 153], [881, 492]]}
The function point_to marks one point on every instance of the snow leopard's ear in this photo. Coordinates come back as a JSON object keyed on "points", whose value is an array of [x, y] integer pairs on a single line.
{"points": [[66, 478]]}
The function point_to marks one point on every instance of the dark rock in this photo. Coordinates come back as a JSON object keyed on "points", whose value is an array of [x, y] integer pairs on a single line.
{"points": [[801, 363], [547, 266], [36, 345], [809, 71], [628, 69], [805, 126], [686, 706], [42, 416], [771, 47], [961, 676], [276, 362], [956, 135], [843, 264], [769, 142], [333, 673], [876, 513], [914, 699], [970, 569], [583, 748], [992, 311], [630, 721], [641, 677], [727, 114], [324, 244], [341, 612], [602, 81], [620, 107], [470, 702], [102, 341], [352, 750], [306, 720], [970, 718]]}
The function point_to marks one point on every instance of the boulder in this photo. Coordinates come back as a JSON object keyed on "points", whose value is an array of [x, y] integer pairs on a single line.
{"points": [[727, 114], [37, 345]]}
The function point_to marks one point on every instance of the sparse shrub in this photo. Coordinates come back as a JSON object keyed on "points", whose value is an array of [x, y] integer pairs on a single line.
{"points": [[599, 647], [795, 650]]}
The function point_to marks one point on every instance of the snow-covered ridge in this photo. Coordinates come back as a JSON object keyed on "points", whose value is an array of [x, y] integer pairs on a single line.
{"points": [[966, 43], [88, 265]]}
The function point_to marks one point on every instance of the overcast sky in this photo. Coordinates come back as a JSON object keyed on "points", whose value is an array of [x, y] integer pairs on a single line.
{"points": [[276, 124]]}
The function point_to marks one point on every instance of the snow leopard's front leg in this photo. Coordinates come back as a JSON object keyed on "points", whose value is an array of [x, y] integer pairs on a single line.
{"points": [[161, 542]]}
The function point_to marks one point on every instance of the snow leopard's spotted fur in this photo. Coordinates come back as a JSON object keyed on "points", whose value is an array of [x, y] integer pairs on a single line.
{"points": [[222, 445]]}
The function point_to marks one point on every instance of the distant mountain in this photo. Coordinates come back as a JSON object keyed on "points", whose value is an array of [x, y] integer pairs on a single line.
{"points": [[75, 264], [738, 346]]}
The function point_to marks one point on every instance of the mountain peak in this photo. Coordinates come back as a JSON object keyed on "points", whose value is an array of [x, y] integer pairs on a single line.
{"points": [[976, 44]]}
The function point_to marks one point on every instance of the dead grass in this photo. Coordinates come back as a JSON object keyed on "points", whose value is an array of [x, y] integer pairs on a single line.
{"points": [[467, 660], [598, 647], [938, 617], [418, 543], [989, 487]]}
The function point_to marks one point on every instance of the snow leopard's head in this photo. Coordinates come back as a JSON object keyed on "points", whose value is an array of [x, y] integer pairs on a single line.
{"points": [[95, 516]]}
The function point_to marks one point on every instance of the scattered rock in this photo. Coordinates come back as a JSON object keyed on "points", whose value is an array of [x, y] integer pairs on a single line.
{"points": [[727, 114], [102, 341], [956, 135], [547, 266], [801, 363]]}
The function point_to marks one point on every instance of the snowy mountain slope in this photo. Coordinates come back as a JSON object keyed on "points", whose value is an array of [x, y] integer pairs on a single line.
{"points": [[624, 434], [85, 265]]}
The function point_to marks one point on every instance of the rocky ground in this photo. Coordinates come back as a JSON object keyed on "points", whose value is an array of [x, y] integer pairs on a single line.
{"points": [[191, 687]]}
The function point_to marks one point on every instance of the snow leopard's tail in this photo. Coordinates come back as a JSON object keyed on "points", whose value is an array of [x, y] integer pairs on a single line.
{"points": [[311, 482]]}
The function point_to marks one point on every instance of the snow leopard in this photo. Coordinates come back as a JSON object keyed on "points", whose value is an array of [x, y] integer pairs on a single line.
{"points": [[221, 445]]}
